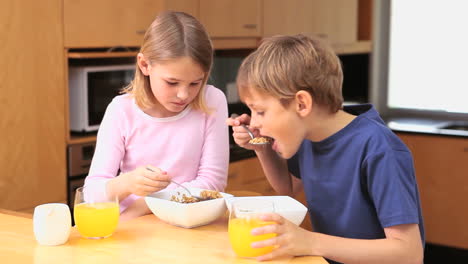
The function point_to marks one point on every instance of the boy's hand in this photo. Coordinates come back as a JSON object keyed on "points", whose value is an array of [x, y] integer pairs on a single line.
{"points": [[142, 181], [290, 240], [240, 135]]}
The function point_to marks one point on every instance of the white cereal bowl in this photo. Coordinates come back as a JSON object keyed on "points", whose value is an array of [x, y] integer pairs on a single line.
{"points": [[285, 206], [187, 215]]}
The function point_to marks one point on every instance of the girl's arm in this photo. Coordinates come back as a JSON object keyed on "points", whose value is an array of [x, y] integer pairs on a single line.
{"points": [[107, 156], [136, 209]]}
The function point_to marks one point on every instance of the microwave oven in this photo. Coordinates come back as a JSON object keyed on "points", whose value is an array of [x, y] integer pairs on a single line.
{"points": [[91, 89]]}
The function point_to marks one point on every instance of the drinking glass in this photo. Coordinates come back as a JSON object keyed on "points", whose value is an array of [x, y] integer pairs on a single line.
{"points": [[243, 217], [96, 215]]}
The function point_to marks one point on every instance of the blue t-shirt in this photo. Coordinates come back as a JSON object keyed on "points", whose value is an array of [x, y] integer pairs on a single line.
{"points": [[359, 180]]}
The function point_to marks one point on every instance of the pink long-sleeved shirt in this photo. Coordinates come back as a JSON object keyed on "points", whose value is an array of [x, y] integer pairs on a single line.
{"points": [[193, 147]]}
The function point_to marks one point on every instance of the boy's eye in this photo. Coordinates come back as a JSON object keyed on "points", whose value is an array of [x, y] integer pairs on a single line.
{"points": [[260, 113], [195, 83]]}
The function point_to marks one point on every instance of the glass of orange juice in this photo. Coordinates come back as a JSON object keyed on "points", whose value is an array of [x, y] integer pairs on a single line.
{"points": [[96, 215], [243, 217]]}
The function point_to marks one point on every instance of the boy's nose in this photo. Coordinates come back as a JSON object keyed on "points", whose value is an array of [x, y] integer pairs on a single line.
{"points": [[253, 123]]}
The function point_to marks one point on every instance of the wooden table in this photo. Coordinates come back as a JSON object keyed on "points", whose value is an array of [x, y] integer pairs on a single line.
{"points": [[143, 240]]}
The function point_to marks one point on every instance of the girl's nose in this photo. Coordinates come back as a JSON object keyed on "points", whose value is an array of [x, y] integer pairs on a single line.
{"points": [[182, 93]]}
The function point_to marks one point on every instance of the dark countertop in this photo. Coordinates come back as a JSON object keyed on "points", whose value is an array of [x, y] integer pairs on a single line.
{"points": [[429, 126], [237, 153]]}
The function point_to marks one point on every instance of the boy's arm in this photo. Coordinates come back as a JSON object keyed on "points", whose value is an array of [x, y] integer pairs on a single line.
{"points": [[276, 171], [401, 245]]}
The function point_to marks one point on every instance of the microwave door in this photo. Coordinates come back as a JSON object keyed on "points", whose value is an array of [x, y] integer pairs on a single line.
{"points": [[103, 86]]}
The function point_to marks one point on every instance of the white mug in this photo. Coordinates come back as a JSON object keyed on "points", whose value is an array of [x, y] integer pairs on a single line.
{"points": [[52, 223]]}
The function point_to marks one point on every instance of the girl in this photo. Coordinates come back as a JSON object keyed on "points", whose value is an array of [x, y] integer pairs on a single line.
{"points": [[168, 120]]}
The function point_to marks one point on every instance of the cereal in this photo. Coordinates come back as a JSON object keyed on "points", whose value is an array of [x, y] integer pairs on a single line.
{"points": [[259, 140], [206, 194]]}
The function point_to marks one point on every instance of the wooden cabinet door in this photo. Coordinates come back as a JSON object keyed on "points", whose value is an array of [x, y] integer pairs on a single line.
{"points": [[231, 18], [247, 175], [441, 165], [32, 104], [111, 23], [335, 20]]}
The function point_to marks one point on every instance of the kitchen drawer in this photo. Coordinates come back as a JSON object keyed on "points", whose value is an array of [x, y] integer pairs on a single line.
{"points": [[441, 165]]}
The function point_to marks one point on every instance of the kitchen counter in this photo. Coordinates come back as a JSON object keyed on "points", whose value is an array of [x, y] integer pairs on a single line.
{"points": [[142, 240], [429, 126]]}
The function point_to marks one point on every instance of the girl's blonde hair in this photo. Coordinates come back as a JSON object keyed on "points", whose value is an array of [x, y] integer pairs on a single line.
{"points": [[172, 35], [284, 65]]}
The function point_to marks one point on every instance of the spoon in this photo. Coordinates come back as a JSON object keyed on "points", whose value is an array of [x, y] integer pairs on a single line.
{"points": [[253, 140], [185, 188]]}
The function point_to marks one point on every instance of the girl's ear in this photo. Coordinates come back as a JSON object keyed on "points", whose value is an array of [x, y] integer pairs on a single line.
{"points": [[143, 64], [304, 103]]}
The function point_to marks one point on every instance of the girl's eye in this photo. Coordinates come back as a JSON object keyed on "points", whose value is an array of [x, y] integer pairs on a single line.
{"points": [[260, 113], [194, 84], [171, 83]]}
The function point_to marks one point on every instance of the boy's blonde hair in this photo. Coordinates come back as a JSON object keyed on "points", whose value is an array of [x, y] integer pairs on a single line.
{"points": [[284, 65], [173, 35]]}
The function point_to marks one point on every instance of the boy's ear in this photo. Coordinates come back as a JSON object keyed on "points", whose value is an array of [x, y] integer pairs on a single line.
{"points": [[303, 102], [143, 64]]}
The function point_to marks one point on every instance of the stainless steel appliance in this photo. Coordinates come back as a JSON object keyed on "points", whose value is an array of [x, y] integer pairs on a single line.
{"points": [[79, 160], [92, 89]]}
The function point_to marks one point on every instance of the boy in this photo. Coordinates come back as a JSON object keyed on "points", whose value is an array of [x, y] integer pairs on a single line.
{"points": [[357, 175]]}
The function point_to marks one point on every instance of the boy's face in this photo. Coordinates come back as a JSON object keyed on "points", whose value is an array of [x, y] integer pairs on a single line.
{"points": [[272, 119]]}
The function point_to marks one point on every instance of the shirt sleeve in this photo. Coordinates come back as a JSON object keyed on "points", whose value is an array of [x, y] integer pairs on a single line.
{"points": [[392, 187], [214, 161], [108, 154]]}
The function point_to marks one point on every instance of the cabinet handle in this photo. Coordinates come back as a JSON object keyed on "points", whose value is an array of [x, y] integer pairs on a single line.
{"points": [[140, 32], [322, 35], [250, 26]]}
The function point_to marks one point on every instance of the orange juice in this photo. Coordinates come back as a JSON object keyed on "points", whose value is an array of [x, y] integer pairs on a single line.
{"points": [[240, 237], [96, 220]]}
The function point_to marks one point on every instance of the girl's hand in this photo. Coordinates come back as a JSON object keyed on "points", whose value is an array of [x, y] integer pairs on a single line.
{"points": [[240, 135], [142, 181], [290, 240]]}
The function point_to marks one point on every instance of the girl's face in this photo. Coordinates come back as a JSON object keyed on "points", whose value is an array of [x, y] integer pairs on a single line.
{"points": [[272, 119], [174, 84]]}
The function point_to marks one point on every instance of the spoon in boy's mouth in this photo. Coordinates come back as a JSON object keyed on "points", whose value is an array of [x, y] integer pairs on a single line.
{"points": [[254, 140]]}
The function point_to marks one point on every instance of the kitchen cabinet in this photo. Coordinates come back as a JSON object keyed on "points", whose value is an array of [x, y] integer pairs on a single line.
{"points": [[247, 175], [32, 104], [232, 18], [114, 23], [34, 116], [335, 20], [441, 164]]}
